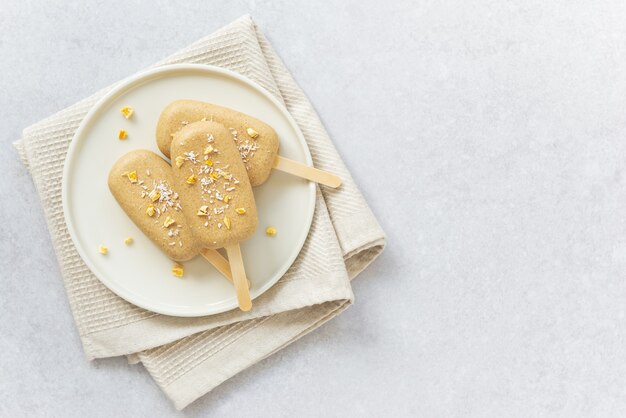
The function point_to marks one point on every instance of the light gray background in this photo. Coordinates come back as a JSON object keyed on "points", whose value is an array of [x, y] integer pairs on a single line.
{"points": [[489, 138]]}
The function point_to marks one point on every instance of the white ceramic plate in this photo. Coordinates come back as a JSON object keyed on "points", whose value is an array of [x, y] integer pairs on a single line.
{"points": [[141, 273]]}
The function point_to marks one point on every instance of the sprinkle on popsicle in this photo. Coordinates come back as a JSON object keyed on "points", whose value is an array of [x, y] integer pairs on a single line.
{"points": [[132, 176], [252, 133]]}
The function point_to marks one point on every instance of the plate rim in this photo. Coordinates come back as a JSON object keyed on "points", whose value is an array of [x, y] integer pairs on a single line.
{"points": [[134, 81]]}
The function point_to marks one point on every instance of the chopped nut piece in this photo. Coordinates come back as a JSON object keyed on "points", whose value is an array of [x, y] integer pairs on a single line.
{"points": [[240, 211], [191, 179], [203, 210], [103, 250], [208, 150], [150, 210], [154, 195], [178, 270], [147, 172], [128, 240], [132, 176], [168, 222], [270, 231], [127, 112], [227, 222], [180, 160], [252, 133], [122, 135]]}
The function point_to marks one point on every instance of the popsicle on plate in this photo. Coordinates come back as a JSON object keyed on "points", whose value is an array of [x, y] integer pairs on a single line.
{"points": [[135, 197], [257, 141], [141, 182], [215, 193]]}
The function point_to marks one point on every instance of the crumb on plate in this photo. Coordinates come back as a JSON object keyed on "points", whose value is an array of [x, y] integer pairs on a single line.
{"points": [[127, 112], [178, 270]]}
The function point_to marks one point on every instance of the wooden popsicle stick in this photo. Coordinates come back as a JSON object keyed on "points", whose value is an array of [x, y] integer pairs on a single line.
{"points": [[219, 262], [310, 173], [239, 277]]}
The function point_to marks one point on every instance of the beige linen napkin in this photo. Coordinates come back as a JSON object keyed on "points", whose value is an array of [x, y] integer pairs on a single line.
{"points": [[188, 357]]}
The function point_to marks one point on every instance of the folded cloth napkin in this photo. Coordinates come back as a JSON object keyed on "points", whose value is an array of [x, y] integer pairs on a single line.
{"points": [[187, 357]]}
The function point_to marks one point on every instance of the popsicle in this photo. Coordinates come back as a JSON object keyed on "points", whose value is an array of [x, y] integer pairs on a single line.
{"points": [[256, 140], [141, 182], [215, 193]]}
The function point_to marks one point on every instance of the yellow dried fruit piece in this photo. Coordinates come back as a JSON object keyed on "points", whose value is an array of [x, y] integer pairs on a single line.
{"points": [[203, 210], [270, 231], [240, 211], [168, 222], [191, 179], [127, 112], [178, 270], [154, 195], [103, 250], [180, 160], [122, 135], [227, 222], [150, 210], [227, 199], [132, 176], [215, 175], [252, 133], [208, 150], [209, 163], [129, 240]]}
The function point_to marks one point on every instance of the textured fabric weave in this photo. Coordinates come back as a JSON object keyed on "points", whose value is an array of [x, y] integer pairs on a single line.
{"points": [[188, 357]]}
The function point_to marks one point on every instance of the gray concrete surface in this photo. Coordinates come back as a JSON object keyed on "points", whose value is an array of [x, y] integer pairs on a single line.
{"points": [[488, 136]]}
